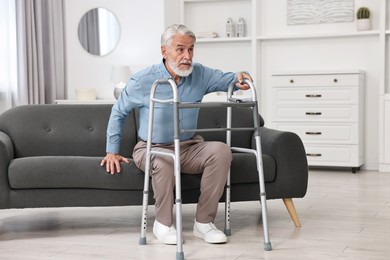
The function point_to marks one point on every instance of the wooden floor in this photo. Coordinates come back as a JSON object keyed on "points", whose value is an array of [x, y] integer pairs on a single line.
{"points": [[343, 216]]}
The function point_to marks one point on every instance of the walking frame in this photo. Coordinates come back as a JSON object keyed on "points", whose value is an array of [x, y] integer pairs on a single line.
{"points": [[231, 102]]}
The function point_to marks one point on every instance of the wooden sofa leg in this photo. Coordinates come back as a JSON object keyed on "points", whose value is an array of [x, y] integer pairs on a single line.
{"points": [[291, 210]]}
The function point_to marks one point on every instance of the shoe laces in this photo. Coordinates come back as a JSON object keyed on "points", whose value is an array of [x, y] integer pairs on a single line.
{"points": [[212, 227], [172, 229]]}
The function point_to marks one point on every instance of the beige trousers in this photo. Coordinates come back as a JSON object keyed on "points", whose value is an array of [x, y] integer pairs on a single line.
{"points": [[197, 156]]}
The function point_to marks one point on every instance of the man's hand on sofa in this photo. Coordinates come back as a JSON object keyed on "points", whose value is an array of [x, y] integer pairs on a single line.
{"points": [[112, 162]]}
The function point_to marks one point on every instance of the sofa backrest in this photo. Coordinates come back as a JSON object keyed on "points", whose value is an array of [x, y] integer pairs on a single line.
{"points": [[63, 130], [216, 117], [80, 130]]}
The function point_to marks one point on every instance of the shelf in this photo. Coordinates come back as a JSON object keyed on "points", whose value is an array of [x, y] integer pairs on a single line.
{"points": [[85, 102], [319, 36], [319, 72], [200, 1], [224, 39], [262, 31]]}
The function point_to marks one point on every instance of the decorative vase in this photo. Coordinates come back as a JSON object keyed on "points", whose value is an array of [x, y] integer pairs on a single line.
{"points": [[363, 24], [85, 94], [229, 28]]}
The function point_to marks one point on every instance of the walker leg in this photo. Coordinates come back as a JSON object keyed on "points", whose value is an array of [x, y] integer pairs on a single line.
{"points": [[227, 230], [179, 230], [259, 159], [177, 172], [179, 256], [176, 160], [142, 239], [179, 226], [145, 200], [267, 242]]}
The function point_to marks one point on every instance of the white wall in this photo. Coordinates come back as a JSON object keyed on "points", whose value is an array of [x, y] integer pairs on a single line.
{"points": [[274, 19], [141, 22]]}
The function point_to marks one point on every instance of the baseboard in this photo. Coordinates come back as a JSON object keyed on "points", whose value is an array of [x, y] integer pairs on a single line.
{"points": [[384, 167]]}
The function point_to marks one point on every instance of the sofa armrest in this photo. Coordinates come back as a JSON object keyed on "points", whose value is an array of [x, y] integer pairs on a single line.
{"points": [[6, 155], [287, 149]]}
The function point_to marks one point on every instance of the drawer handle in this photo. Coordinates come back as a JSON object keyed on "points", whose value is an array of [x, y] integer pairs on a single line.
{"points": [[313, 113], [314, 133], [314, 154], [313, 95], [291, 81], [335, 80]]}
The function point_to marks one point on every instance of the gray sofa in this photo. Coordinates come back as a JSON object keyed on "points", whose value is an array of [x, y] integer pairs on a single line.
{"points": [[50, 157]]}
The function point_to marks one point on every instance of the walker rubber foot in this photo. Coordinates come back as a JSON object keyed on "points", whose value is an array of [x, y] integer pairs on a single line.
{"points": [[179, 256], [267, 246], [228, 232], [142, 240]]}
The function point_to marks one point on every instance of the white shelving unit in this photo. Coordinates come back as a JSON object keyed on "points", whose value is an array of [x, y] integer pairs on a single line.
{"points": [[232, 54], [236, 53], [225, 53], [384, 90], [374, 33]]}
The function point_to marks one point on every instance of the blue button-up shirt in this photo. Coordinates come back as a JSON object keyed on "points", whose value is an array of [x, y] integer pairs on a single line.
{"points": [[136, 94]]}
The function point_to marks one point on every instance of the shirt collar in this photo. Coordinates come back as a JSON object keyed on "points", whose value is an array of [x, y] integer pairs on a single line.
{"points": [[164, 70]]}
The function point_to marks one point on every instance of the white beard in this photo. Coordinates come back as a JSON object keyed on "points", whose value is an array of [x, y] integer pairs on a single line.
{"points": [[178, 71]]}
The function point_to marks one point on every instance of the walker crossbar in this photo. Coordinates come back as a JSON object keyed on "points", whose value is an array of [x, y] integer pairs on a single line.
{"points": [[163, 154], [243, 150], [231, 102], [218, 129], [216, 104], [162, 100]]}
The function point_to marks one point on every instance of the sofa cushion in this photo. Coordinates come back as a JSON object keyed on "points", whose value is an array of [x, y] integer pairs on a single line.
{"points": [[86, 173], [244, 170], [71, 172]]}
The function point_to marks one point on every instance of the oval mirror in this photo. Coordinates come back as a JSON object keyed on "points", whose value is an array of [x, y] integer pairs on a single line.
{"points": [[99, 31]]}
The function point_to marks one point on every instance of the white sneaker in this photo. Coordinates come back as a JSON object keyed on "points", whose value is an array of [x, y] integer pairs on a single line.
{"points": [[165, 234], [209, 233]]}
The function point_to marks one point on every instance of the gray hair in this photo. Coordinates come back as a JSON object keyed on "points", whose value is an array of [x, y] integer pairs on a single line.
{"points": [[171, 31]]}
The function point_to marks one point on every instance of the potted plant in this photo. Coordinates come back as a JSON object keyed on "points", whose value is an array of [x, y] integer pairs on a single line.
{"points": [[363, 21]]}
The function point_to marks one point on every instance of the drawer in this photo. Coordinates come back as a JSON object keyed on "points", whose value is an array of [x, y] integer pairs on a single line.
{"points": [[337, 155], [313, 80], [319, 133], [317, 95], [316, 113]]}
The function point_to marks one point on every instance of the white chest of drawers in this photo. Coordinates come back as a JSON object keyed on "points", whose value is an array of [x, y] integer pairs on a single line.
{"points": [[326, 109]]}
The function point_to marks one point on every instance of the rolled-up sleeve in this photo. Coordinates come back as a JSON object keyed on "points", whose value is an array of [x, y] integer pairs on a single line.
{"points": [[130, 98]]}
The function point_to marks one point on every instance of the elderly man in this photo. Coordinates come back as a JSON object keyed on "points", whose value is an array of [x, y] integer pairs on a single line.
{"points": [[197, 156]]}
